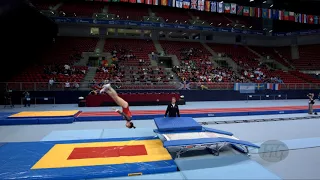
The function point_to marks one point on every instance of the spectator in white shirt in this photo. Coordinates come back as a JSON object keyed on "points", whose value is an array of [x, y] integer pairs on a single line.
{"points": [[51, 81], [152, 56], [66, 67], [67, 85]]}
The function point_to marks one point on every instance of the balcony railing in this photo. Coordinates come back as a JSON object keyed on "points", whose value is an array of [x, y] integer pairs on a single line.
{"points": [[45, 86]]}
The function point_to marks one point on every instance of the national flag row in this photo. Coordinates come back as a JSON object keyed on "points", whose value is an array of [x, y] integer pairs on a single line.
{"points": [[230, 8]]}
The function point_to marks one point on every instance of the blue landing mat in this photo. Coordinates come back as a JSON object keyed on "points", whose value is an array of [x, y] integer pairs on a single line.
{"points": [[227, 167], [29, 121], [177, 124], [174, 175], [98, 134], [73, 135], [16, 159]]}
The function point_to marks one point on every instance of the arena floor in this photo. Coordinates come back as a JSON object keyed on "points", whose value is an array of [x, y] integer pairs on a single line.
{"points": [[302, 136]]}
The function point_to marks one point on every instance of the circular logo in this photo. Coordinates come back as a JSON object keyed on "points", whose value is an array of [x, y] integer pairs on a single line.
{"points": [[273, 151]]}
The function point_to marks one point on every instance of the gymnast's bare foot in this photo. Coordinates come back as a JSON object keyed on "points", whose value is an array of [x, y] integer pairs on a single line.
{"points": [[105, 87]]}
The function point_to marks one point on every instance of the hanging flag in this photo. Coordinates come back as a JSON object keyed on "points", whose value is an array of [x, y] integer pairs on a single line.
{"points": [[140, 1], [179, 4], [155, 2], [280, 15], [310, 19], [239, 10], [186, 4], [213, 6], [227, 8], [233, 8], [252, 11], [258, 12], [270, 86], [264, 13], [291, 16], [246, 11], [316, 19], [148, 2], [247, 88], [286, 15], [275, 14], [207, 6], [300, 18], [194, 4], [270, 13], [304, 18], [220, 7], [201, 5], [172, 3], [276, 87], [185, 85], [296, 16], [260, 87], [164, 2]]}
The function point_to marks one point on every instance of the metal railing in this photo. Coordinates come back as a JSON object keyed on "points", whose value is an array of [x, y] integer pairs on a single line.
{"points": [[45, 86]]}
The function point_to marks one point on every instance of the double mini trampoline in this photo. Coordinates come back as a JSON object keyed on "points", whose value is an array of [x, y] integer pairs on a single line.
{"points": [[180, 135]]}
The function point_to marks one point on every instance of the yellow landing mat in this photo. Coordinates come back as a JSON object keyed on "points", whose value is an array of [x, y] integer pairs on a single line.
{"points": [[58, 155], [44, 114]]}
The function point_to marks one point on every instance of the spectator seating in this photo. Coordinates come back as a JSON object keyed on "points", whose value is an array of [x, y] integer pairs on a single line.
{"points": [[307, 77], [132, 12], [44, 5], [37, 74], [285, 76], [270, 51], [65, 49], [248, 22], [176, 47], [79, 9], [131, 74], [241, 55], [284, 52], [309, 58], [172, 15], [216, 20], [139, 48]]}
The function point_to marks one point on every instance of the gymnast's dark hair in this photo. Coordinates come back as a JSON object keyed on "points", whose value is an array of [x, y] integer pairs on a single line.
{"points": [[131, 125]]}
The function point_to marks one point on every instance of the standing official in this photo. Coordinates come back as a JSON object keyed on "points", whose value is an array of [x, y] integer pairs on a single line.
{"points": [[172, 109]]}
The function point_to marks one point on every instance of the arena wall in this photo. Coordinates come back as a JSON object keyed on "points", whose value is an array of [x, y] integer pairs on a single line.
{"points": [[71, 97], [215, 37]]}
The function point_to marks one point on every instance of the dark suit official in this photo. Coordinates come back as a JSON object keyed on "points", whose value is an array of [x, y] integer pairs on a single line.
{"points": [[172, 109]]}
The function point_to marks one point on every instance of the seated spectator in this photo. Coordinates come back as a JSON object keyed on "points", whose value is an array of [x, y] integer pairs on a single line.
{"points": [[67, 85], [76, 85]]}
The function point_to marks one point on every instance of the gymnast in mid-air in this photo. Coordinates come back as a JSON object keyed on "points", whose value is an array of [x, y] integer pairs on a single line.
{"points": [[125, 113]]}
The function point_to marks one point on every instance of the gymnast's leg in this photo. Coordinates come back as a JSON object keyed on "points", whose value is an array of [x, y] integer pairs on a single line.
{"points": [[114, 95], [126, 113]]}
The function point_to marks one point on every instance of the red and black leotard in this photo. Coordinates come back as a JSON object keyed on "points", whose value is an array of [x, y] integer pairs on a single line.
{"points": [[127, 112]]}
